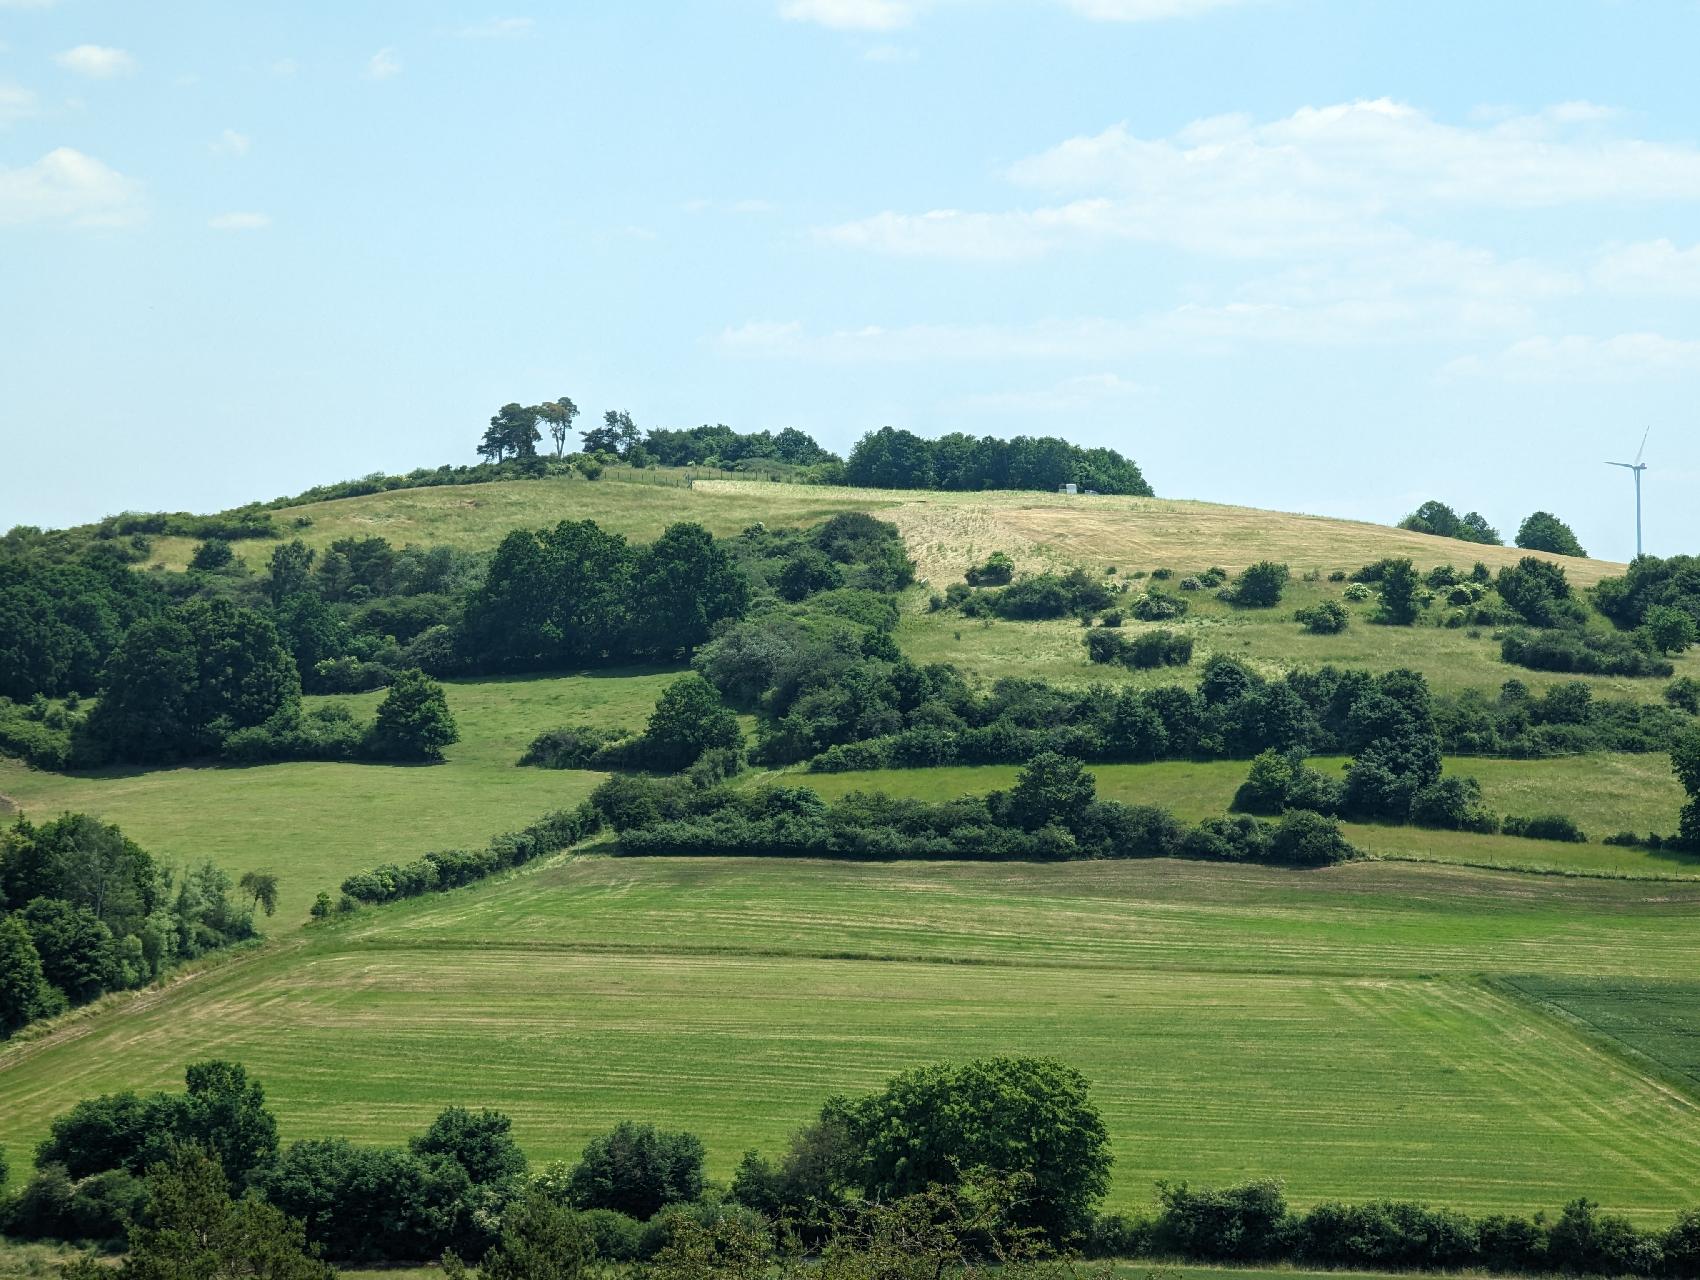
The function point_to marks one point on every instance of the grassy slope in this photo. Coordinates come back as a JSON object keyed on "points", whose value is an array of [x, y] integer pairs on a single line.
{"points": [[313, 823], [1234, 1021]]}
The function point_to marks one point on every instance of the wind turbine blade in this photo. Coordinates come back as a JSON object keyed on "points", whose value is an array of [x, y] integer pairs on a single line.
{"points": [[1630, 465], [1643, 448]]}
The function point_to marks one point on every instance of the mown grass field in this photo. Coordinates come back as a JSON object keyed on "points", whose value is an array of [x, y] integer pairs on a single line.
{"points": [[1328, 1027], [313, 823], [1604, 793], [1652, 1019]]}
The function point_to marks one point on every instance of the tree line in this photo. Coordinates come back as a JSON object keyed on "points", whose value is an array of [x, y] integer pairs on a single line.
{"points": [[991, 1167], [85, 910], [1539, 531], [892, 458]]}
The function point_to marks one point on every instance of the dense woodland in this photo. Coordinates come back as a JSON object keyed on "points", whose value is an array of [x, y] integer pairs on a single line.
{"points": [[84, 911]]}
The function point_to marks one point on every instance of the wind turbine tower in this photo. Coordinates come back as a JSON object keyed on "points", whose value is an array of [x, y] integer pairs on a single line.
{"points": [[1636, 468]]}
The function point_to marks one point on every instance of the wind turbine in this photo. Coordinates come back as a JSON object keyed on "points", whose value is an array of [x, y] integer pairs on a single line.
{"points": [[1636, 468]]}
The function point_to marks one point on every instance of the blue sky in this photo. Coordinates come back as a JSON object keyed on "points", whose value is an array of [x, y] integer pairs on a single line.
{"points": [[1315, 256]]}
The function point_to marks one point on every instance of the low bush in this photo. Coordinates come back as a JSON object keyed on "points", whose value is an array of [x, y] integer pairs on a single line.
{"points": [[995, 572], [1548, 826], [1325, 618], [1583, 652], [1158, 606], [452, 868]]}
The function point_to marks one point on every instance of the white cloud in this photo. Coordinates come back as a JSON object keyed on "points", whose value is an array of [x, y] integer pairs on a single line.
{"points": [[65, 186], [1329, 179], [496, 29], [16, 103], [383, 65], [1089, 391], [1655, 267], [852, 15], [1576, 358], [96, 61], [1146, 10], [232, 143], [240, 222]]}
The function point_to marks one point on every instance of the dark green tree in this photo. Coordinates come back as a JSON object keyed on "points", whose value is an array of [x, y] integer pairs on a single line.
{"points": [[1669, 629], [22, 981], [683, 583], [1537, 589], [144, 713], [553, 597], [637, 1168], [512, 432], [289, 571], [890, 458], [193, 1230], [78, 953], [1261, 585], [480, 1142], [223, 1111], [261, 886], [212, 555], [1051, 789], [1399, 582], [616, 435], [540, 1240], [689, 719], [1543, 531], [1028, 1117], [413, 721]]}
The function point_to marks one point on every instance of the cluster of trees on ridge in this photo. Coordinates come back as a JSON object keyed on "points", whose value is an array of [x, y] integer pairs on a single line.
{"points": [[84, 911], [995, 1166], [1540, 530]]}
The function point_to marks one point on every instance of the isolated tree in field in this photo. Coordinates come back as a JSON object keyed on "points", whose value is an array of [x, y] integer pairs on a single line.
{"points": [[413, 721], [636, 1169], [559, 414], [1543, 531], [1013, 1116], [1260, 586], [261, 886], [1537, 589], [1474, 527], [688, 719], [1668, 629], [193, 1230]]}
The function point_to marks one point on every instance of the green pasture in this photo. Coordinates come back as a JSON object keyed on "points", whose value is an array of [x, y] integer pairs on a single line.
{"points": [[313, 823], [1603, 793], [1329, 1027]]}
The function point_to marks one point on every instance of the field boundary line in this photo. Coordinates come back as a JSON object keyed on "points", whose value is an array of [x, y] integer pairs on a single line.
{"points": [[1658, 1073]]}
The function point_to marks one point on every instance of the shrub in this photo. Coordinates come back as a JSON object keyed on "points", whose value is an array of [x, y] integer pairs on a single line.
{"points": [[413, 721], [1684, 694], [1157, 606], [1306, 839], [1325, 618], [1583, 652], [212, 555], [1247, 1223], [1260, 586], [1159, 648], [1549, 826], [1357, 592], [1543, 531], [1453, 804], [996, 572], [572, 747]]}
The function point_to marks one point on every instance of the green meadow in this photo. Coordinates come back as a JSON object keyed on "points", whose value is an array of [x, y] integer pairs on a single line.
{"points": [[1328, 1027]]}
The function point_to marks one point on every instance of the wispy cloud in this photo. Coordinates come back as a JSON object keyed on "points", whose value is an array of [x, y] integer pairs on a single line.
{"points": [[852, 15], [1324, 178], [1578, 358], [1654, 267], [240, 222], [16, 103], [383, 65], [231, 143], [98, 62], [68, 188]]}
